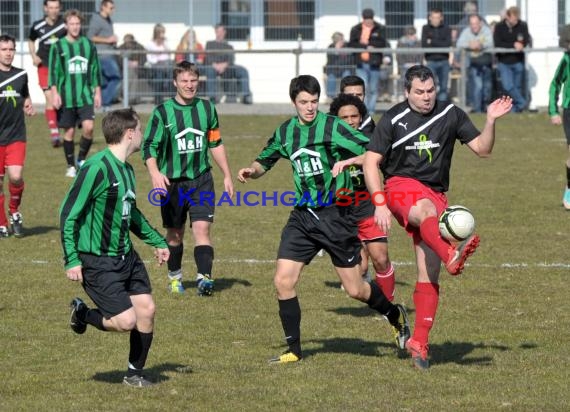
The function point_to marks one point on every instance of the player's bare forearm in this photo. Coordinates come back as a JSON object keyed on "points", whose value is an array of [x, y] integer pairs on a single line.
{"points": [[483, 144], [370, 166], [159, 181], [221, 159], [254, 171]]}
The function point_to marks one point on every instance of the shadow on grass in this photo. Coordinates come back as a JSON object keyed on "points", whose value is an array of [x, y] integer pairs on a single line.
{"points": [[220, 284], [457, 352], [347, 345], [39, 230], [155, 374], [360, 312]]}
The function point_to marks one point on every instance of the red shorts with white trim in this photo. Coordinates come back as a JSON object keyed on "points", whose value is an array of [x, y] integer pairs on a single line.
{"points": [[12, 154], [368, 230], [43, 75], [403, 193]]}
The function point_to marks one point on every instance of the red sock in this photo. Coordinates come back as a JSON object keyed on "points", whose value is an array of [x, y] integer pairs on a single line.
{"points": [[15, 196], [386, 281], [3, 220], [51, 117], [426, 298], [429, 231]]}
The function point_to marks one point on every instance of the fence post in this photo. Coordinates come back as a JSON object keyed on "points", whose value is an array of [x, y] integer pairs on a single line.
{"points": [[125, 58], [297, 52], [463, 79]]}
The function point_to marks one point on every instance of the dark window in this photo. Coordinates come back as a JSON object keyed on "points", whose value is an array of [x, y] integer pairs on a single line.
{"points": [[289, 19]]}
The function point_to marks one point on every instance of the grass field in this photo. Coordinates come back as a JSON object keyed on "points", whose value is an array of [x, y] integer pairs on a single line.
{"points": [[500, 341]]}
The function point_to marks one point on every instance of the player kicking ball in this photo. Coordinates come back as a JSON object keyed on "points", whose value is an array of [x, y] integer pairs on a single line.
{"points": [[96, 217]]}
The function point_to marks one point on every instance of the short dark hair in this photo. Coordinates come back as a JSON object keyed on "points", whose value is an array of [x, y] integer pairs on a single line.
{"points": [[347, 100], [104, 2], [117, 122], [304, 83], [418, 71], [185, 66], [47, 1], [367, 14], [5, 38], [352, 80]]}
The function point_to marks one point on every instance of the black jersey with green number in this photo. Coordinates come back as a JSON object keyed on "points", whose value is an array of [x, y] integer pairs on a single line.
{"points": [[100, 209], [74, 70], [178, 136], [313, 149], [13, 92]]}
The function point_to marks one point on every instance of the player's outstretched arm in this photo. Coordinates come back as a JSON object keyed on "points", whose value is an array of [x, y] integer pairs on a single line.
{"points": [[483, 144], [254, 171], [339, 166]]}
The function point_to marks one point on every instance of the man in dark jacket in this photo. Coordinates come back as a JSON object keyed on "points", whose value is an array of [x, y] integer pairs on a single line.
{"points": [[368, 35], [512, 33], [437, 34]]}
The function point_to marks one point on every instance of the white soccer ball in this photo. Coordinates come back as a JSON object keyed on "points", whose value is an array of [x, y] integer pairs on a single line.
{"points": [[456, 223]]}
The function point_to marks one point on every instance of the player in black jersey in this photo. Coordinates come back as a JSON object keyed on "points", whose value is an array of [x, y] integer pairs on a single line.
{"points": [[314, 142], [14, 103], [96, 218], [413, 145], [46, 32], [180, 137], [355, 86], [352, 110]]}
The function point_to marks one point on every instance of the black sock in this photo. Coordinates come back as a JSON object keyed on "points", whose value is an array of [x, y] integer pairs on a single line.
{"points": [[568, 177], [204, 257], [175, 260], [140, 346], [84, 146], [92, 317], [379, 302], [69, 152], [290, 314]]}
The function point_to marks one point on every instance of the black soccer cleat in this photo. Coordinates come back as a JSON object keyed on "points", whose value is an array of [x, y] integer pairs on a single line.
{"points": [[75, 324]]}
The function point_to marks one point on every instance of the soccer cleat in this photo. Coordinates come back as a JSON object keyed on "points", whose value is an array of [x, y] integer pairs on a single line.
{"points": [[16, 223], [75, 324], [71, 172], [4, 232], [80, 163], [285, 357], [402, 328], [55, 142], [205, 286], [175, 286], [461, 252], [566, 199], [419, 354], [136, 381]]}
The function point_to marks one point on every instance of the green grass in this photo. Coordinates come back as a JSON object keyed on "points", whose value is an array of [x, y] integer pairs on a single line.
{"points": [[500, 340]]}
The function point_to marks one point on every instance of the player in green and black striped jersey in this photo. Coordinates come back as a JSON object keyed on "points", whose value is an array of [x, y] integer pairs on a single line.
{"points": [[314, 142], [74, 79], [180, 137], [96, 218]]}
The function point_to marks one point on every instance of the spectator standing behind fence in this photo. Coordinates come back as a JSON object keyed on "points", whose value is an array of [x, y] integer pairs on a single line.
{"points": [[75, 82], [339, 63], [437, 34], [159, 63], [136, 60], [477, 38], [102, 34], [47, 31], [409, 40], [223, 65], [368, 35], [512, 33], [189, 43]]}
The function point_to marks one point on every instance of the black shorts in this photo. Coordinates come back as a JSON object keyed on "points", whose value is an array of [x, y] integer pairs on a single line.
{"points": [[110, 281], [330, 228], [73, 117], [566, 124], [195, 198]]}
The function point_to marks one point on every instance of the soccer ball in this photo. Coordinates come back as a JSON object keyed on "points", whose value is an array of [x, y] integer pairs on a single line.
{"points": [[456, 223]]}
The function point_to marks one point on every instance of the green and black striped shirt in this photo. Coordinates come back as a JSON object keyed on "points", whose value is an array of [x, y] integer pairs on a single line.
{"points": [[178, 136], [74, 69], [313, 150], [100, 209], [561, 77]]}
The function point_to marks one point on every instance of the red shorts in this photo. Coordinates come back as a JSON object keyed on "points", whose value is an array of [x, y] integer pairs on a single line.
{"points": [[12, 154], [43, 75], [403, 193], [369, 230]]}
